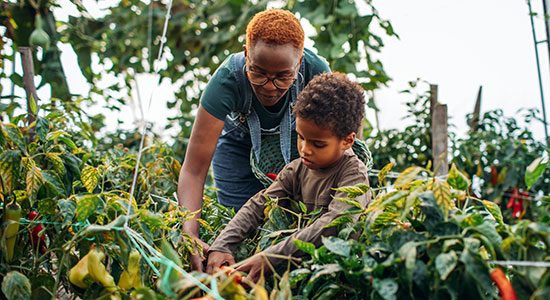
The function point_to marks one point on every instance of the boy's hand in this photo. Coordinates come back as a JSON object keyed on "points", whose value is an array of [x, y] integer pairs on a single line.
{"points": [[257, 265], [216, 259]]}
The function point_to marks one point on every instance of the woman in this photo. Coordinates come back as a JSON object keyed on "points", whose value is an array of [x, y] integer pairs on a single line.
{"points": [[251, 94]]}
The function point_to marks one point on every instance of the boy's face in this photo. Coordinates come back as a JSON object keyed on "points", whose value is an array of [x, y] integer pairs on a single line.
{"points": [[318, 147]]}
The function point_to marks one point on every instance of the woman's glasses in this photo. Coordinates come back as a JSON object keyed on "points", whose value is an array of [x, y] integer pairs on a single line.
{"points": [[282, 83]]}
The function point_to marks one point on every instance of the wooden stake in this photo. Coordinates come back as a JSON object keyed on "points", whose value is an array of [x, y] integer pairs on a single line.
{"points": [[439, 133], [474, 123], [439, 139], [28, 85]]}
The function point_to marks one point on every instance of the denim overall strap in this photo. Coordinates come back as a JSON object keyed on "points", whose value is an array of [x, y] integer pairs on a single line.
{"points": [[247, 113], [239, 62], [288, 123]]}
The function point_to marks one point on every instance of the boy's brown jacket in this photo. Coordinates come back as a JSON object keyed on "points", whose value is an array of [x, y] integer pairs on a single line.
{"points": [[314, 188]]}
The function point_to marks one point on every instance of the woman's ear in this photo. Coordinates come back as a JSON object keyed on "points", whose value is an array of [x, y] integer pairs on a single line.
{"points": [[348, 141]]}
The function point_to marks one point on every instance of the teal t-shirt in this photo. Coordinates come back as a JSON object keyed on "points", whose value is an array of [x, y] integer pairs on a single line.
{"points": [[221, 96]]}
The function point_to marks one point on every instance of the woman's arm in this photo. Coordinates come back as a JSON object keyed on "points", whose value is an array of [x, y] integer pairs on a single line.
{"points": [[202, 144]]}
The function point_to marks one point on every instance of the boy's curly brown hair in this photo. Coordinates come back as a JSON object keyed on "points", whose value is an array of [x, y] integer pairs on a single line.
{"points": [[333, 102], [275, 27]]}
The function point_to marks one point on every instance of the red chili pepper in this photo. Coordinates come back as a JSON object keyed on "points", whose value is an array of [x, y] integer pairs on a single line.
{"points": [[35, 234], [503, 284], [494, 175], [273, 176], [516, 202], [512, 198]]}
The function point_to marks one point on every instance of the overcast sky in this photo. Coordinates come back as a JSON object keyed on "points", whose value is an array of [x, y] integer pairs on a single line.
{"points": [[460, 45]]}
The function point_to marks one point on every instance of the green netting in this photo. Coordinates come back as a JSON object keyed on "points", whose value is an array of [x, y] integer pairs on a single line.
{"points": [[271, 159]]}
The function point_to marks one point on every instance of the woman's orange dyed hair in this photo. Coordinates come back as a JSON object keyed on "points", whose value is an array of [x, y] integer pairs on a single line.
{"points": [[277, 27]]}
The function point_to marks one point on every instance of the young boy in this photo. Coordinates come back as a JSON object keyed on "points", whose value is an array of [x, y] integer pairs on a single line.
{"points": [[329, 112]]}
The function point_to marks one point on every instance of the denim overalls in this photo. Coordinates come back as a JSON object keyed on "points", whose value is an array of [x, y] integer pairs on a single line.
{"points": [[242, 132]]}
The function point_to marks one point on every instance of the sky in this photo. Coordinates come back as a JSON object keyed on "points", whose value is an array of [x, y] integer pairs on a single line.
{"points": [[459, 45]]}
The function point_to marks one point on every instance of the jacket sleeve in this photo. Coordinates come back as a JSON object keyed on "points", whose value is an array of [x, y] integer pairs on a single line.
{"points": [[317, 230], [249, 217]]}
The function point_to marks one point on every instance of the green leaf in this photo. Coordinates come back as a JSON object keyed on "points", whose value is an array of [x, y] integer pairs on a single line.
{"points": [[303, 207], [347, 9], [47, 206], [14, 135], [307, 247], [407, 176], [55, 134], [90, 178], [409, 203], [445, 263], [172, 255], [16, 79], [494, 210], [34, 176], [408, 251], [479, 271], [353, 191], [534, 171], [339, 221], [53, 180], [350, 201], [298, 275], [153, 220], [489, 231], [53, 115], [42, 127], [72, 163], [382, 221], [56, 162], [382, 174], [326, 269], [472, 220], [16, 286], [2, 137], [10, 166], [86, 206], [68, 142], [386, 288], [457, 179], [337, 246], [442, 194], [32, 104]]}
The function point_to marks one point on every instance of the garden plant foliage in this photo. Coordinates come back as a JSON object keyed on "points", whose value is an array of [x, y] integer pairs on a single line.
{"points": [[421, 237]]}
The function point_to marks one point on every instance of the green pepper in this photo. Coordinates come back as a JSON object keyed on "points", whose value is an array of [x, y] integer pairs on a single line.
{"points": [[13, 214], [38, 36]]}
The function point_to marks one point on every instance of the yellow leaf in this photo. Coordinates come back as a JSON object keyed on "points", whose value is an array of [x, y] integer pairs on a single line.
{"points": [[56, 162], [407, 176], [33, 179], [442, 194], [90, 178]]}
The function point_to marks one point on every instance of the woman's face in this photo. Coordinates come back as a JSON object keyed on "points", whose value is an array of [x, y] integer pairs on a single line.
{"points": [[273, 61]]}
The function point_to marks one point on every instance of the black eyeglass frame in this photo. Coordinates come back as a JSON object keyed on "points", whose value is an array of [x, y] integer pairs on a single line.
{"points": [[267, 79]]}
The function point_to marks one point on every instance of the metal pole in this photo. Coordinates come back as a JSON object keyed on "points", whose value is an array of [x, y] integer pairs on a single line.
{"points": [[545, 6], [538, 69]]}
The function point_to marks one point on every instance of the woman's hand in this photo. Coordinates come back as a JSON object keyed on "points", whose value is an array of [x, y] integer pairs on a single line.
{"points": [[256, 266], [196, 261], [216, 259]]}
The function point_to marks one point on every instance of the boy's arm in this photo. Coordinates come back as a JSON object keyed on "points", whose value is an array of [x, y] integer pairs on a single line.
{"points": [[252, 213], [316, 230]]}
